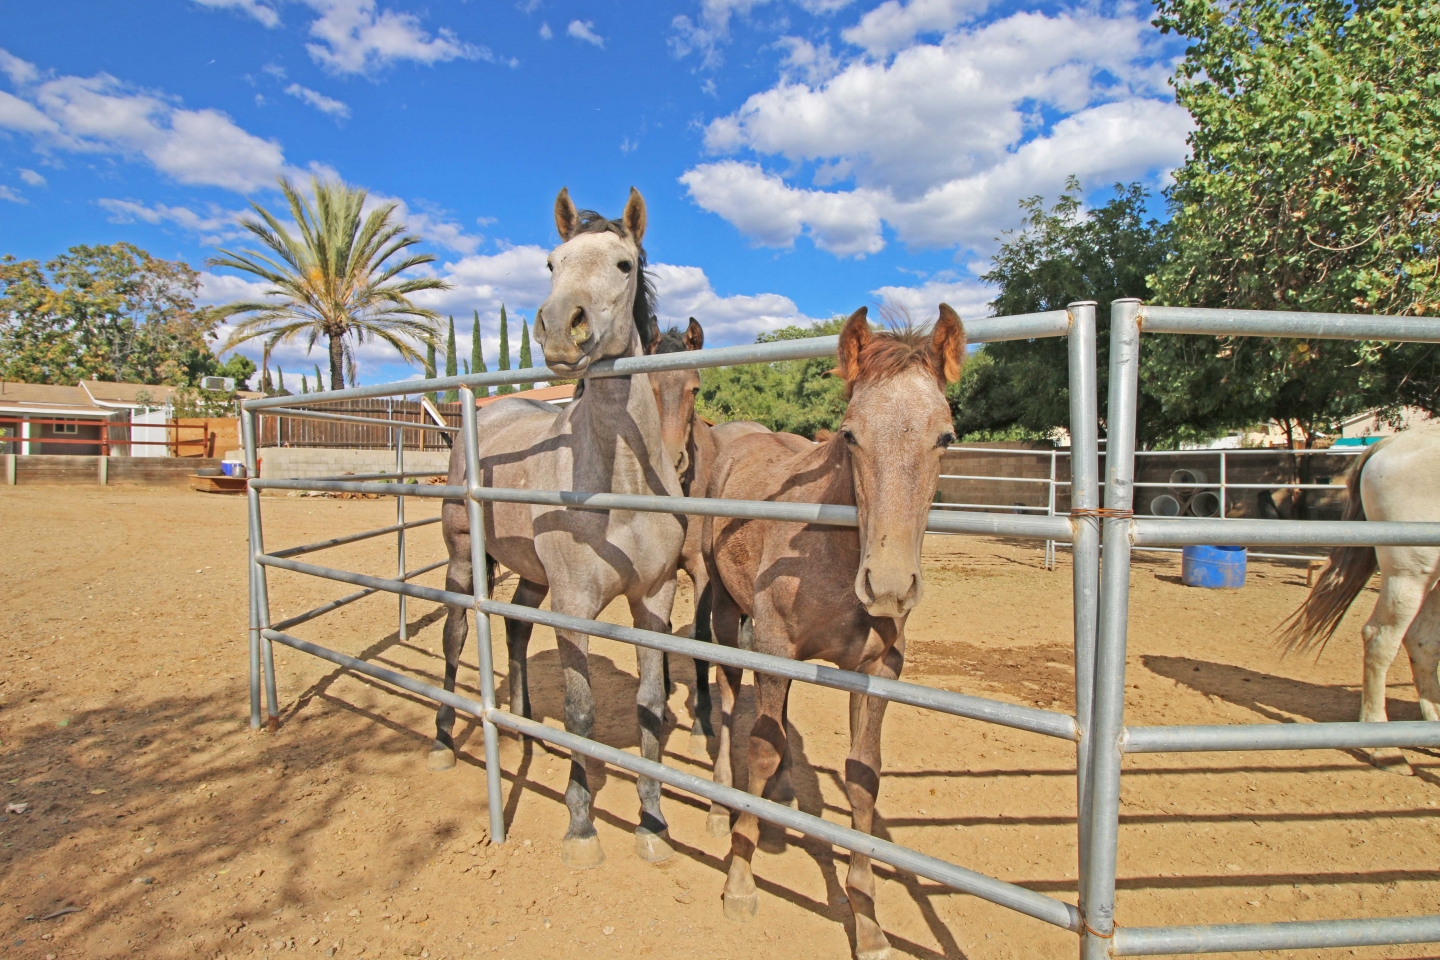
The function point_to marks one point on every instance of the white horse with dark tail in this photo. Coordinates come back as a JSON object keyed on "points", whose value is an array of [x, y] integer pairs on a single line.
{"points": [[1396, 479]]}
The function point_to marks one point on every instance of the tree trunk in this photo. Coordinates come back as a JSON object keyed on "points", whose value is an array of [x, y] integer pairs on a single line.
{"points": [[337, 362]]}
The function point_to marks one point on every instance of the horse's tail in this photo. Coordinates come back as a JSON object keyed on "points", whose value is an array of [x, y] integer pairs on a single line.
{"points": [[1315, 621]]}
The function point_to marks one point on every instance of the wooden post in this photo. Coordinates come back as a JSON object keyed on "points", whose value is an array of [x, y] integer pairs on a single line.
{"points": [[104, 466], [10, 468]]}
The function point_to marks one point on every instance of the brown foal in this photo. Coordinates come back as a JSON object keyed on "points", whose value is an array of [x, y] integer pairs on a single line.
{"points": [[832, 593]]}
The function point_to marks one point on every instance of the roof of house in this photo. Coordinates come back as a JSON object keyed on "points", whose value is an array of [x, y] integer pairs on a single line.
{"points": [[49, 398], [127, 394], [559, 393]]}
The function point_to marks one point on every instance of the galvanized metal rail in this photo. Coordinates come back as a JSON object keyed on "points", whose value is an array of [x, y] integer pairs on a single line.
{"points": [[1100, 605]]}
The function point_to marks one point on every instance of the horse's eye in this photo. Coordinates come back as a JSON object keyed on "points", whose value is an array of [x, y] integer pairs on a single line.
{"points": [[549, 266], [945, 440], [625, 266], [849, 437]]}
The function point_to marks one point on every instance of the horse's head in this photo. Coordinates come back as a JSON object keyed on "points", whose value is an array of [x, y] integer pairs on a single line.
{"points": [[598, 306], [896, 427], [675, 393]]}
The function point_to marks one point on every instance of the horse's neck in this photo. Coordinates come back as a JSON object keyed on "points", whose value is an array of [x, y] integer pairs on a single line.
{"points": [[824, 475], [615, 428]]}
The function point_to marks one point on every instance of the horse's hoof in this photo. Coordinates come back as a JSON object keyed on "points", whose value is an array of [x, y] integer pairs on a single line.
{"points": [[741, 909], [773, 839], [652, 847], [699, 745], [272, 724], [582, 853], [718, 823], [440, 759]]}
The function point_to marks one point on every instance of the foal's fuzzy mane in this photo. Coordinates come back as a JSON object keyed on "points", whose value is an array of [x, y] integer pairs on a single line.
{"points": [[644, 310], [891, 352], [671, 341]]}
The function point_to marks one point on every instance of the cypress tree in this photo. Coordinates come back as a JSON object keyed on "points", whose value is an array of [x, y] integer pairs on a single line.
{"points": [[304, 384], [280, 382], [430, 367], [451, 361], [525, 352], [319, 383], [504, 351], [477, 355]]}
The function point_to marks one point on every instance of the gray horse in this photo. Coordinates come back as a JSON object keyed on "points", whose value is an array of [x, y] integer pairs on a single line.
{"points": [[607, 441]]}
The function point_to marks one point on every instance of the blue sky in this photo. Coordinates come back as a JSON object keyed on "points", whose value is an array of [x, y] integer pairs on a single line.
{"points": [[799, 157]]}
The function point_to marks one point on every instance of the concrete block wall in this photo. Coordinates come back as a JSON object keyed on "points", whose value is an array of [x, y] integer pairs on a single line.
{"points": [[295, 463]]}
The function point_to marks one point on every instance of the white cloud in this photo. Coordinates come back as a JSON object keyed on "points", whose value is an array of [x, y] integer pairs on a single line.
{"points": [[355, 36], [19, 71], [101, 114], [807, 62], [7, 194], [941, 141], [216, 226], [319, 101], [684, 292], [970, 298], [892, 25], [773, 213], [709, 32], [585, 31], [263, 12], [31, 177], [545, 32], [516, 277]]}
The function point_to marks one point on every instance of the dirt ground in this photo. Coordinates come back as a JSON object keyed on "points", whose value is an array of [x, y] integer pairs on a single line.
{"points": [[158, 825]]}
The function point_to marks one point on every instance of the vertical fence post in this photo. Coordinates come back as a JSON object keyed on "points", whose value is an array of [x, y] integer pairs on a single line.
{"points": [[262, 653], [1050, 512], [481, 589], [1224, 491], [399, 436], [1103, 811], [1084, 495]]}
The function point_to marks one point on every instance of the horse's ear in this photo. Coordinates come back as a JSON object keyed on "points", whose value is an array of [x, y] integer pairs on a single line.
{"points": [[853, 338], [694, 335], [567, 221], [634, 216], [653, 343], [947, 354]]}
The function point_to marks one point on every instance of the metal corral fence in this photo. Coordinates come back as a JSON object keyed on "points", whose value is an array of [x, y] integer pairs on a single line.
{"points": [[1078, 323], [1099, 602], [1188, 489], [1100, 809]]}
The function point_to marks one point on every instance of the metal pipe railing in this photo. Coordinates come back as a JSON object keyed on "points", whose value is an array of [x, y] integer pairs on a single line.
{"points": [[352, 537], [1281, 736], [350, 598]]}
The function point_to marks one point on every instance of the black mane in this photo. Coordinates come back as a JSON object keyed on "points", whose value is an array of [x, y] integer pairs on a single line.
{"points": [[671, 341], [644, 311]]}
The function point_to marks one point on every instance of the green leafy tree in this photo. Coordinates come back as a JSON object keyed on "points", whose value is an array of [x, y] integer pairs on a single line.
{"points": [[430, 368], [109, 312], [450, 361], [1310, 186], [477, 354], [504, 352], [1021, 390], [338, 278], [795, 396], [525, 352]]}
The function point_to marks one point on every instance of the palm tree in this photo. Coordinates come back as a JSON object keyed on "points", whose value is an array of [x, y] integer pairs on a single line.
{"points": [[335, 279]]}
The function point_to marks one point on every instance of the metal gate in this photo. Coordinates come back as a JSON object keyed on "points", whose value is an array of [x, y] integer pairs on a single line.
{"points": [[1100, 609]]}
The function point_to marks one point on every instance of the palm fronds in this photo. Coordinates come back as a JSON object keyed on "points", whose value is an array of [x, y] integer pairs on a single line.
{"points": [[333, 273]]}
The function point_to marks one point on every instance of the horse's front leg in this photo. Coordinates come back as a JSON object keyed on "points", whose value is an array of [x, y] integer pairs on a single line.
{"points": [[726, 619], [862, 785], [701, 729], [459, 578], [652, 613], [767, 749], [1423, 644], [517, 644], [580, 848]]}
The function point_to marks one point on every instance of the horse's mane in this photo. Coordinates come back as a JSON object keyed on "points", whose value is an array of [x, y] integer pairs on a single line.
{"points": [[644, 310], [893, 351], [671, 341]]}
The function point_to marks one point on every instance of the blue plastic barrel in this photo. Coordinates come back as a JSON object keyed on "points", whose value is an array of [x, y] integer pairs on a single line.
{"points": [[1218, 568]]}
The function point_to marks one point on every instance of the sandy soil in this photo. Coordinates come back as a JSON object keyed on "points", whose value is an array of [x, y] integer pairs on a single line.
{"points": [[167, 829]]}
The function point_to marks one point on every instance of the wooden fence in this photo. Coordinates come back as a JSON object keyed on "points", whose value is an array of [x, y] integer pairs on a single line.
{"points": [[286, 432]]}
